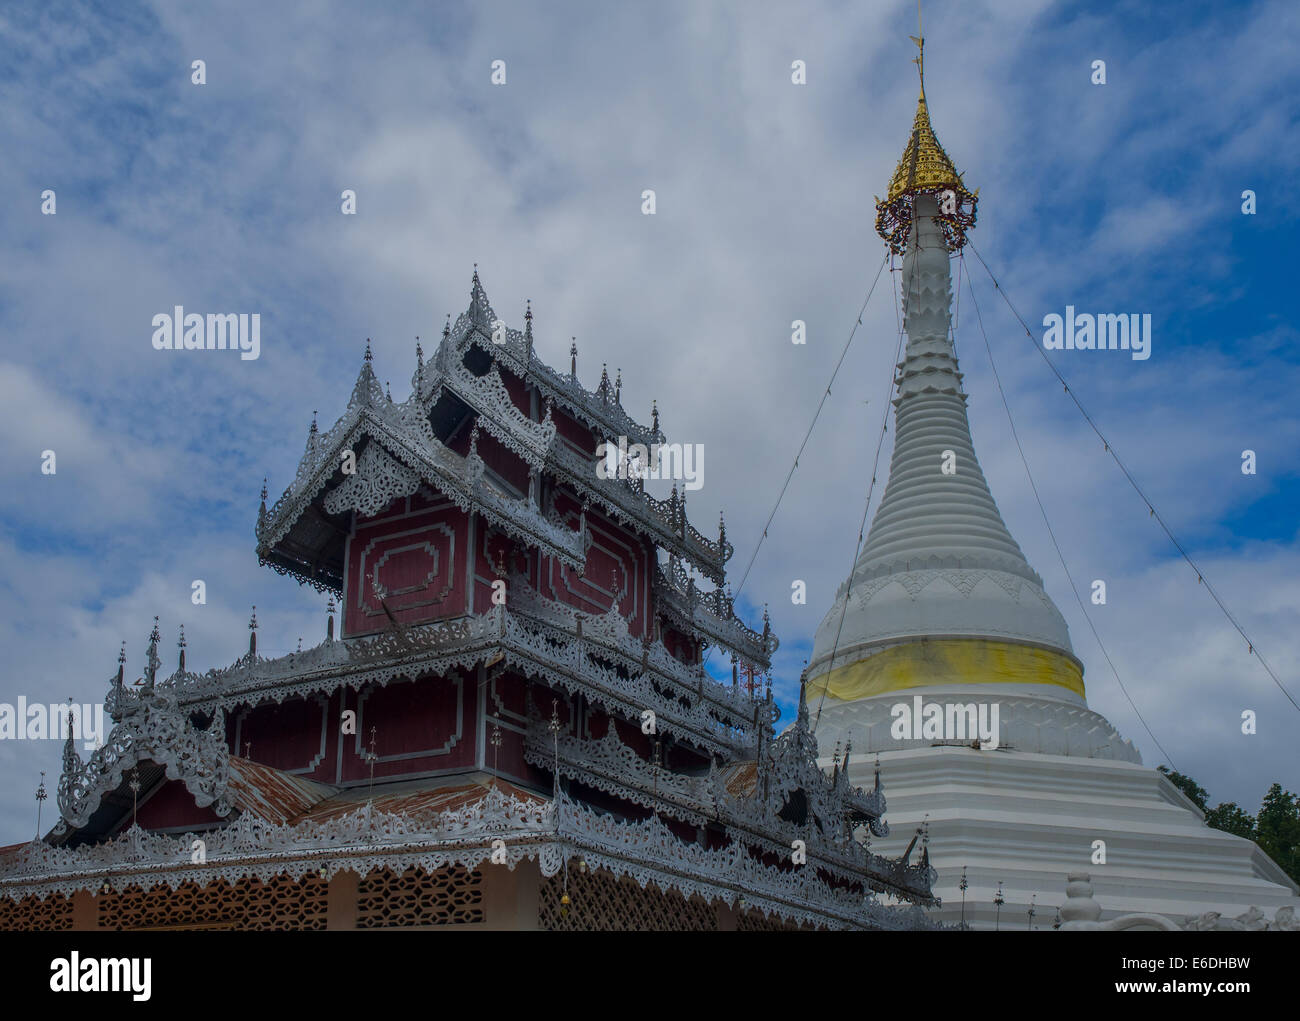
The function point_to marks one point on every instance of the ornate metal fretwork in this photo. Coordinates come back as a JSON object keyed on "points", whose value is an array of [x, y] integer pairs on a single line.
{"points": [[552, 832], [148, 726], [410, 445]]}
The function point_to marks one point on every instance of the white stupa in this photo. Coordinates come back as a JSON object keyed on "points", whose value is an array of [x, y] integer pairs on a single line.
{"points": [[944, 610]]}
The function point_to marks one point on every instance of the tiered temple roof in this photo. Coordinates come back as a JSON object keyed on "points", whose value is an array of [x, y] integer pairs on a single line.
{"points": [[707, 800]]}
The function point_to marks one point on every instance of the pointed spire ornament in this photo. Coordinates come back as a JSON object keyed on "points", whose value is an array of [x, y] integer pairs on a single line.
{"points": [[312, 437], [120, 680], [252, 635], [654, 417], [388, 390], [528, 328], [369, 357], [135, 794], [152, 662], [329, 625], [480, 309], [446, 327], [925, 169], [261, 510], [573, 357], [181, 645], [40, 801], [618, 387]]}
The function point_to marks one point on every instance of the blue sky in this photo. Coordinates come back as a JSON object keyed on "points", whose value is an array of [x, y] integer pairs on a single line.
{"points": [[1122, 197]]}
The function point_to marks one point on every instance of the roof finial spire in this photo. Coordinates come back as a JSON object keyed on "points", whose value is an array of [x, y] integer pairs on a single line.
{"points": [[573, 357], [446, 327], [369, 356], [919, 39], [925, 169]]}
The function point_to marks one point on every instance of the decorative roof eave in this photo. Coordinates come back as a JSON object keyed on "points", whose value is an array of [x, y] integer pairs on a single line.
{"points": [[534, 442], [149, 726], [550, 832], [609, 631], [460, 479], [477, 326], [627, 502], [664, 521], [712, 614], [536, 646], [610, 765], [488, 397], [603, 416]]}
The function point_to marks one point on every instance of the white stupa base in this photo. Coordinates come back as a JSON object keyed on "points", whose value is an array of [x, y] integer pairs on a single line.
{"points": [[1027, 820]]}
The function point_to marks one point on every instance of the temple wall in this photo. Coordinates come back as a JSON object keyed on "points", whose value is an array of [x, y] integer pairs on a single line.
{"points": [[421, 727]]}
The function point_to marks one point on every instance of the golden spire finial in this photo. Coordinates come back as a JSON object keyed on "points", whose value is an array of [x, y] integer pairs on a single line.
{"points": [[924, 169]]}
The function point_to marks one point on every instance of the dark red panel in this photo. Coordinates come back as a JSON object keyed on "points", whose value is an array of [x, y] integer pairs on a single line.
{"points": [[172, 805], [414, 562], [295, 736], [571, 430], [419, 727]]}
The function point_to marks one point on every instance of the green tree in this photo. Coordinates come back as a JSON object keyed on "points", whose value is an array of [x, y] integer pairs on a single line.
{"points": [[1188, 786], [1278, 829], [1231, 818]]}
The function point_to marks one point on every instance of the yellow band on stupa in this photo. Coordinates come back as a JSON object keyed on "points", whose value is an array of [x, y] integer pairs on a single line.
{"points": [[948, 661]]}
